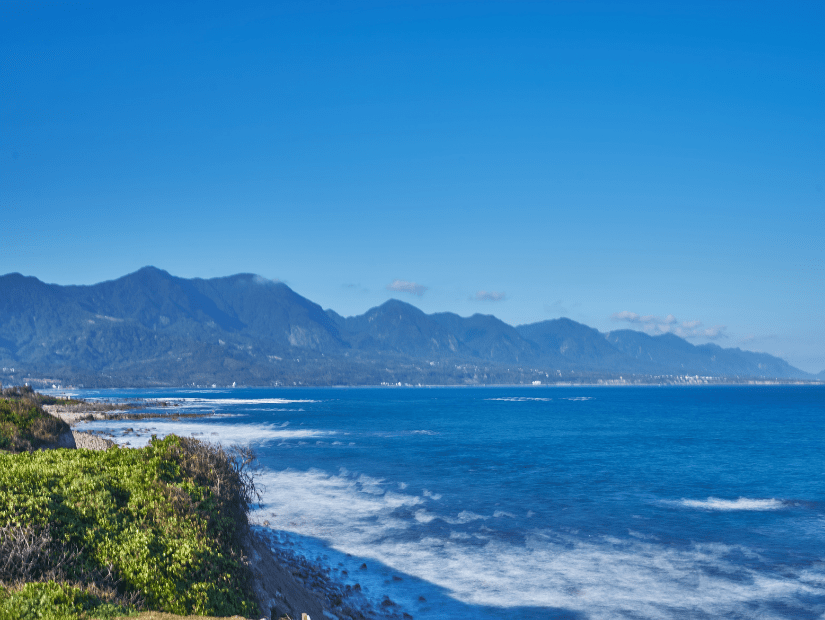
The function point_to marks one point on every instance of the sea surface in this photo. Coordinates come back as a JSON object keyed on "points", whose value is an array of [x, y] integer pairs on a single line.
{"points": [[537, 502]]}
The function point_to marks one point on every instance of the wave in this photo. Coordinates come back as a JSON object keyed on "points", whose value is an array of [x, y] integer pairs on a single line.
{"points": [[462, 559], [225, 434], [519, 399], [242, 401], [742, 503], [401, 433]]}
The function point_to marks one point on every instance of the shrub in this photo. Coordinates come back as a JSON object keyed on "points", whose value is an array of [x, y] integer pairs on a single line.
{"points": [[54, 601], [160, 524], [24, 425]]}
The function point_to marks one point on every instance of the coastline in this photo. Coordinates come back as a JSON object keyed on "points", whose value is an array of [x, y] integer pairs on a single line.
{"points": [[319, 514], [286, 584]]}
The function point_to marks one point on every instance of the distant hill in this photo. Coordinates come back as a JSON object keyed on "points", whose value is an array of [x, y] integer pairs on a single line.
{"points": [[152, 328], [679, 356], [568, 344]]}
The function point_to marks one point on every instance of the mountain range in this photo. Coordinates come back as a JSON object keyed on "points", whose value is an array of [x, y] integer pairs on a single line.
{"points": [[152, 328]]}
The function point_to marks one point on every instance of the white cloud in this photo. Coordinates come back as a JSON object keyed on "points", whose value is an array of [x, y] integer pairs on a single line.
{"points": [[261, 280], [656, 325], [490, 296], [714, 333], [403, 286]]}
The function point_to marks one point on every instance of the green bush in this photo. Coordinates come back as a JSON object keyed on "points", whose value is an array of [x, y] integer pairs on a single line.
{"points": [[27, 392], [25, 426], [157, 521], [55, 601]]}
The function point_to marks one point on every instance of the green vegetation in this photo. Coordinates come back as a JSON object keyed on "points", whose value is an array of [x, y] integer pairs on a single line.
{"points": [[24, 426], [87, 534], [27, 392], [55, 601]]}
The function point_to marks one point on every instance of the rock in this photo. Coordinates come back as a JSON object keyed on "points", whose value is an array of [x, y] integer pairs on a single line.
{"points": [[66, 440], [89, 441], [275, 586]]}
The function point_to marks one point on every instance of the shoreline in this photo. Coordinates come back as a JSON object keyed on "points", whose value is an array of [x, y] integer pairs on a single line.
{"points": [[64, 389], [286, 583], [320, 519]]}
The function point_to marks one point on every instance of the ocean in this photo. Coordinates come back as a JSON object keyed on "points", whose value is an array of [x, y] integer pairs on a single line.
{"points": [[536, 502]]}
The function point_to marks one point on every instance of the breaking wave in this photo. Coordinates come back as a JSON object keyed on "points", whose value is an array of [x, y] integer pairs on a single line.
{"points": [[601, 577], [742, 503]]}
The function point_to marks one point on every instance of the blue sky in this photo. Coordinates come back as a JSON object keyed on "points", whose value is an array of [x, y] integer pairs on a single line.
{"points": [[658, 166]]}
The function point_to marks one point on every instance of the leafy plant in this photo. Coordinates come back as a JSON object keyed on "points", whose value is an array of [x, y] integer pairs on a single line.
{"points": [[55, 601], [24, 425], [160, 525]]}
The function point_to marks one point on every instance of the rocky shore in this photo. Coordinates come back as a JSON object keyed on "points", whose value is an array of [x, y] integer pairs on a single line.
{"points": [[282, 569], [286, 584], [73, 438]]}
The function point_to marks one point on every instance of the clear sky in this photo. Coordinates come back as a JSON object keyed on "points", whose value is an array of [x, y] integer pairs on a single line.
{"points": [[653, 165]]}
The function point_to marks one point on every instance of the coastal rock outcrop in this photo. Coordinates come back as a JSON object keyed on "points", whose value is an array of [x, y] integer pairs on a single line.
{"points": [[279, 593]]}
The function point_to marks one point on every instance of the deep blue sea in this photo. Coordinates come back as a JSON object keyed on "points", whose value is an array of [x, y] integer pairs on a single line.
{"points": [[539, 502]]}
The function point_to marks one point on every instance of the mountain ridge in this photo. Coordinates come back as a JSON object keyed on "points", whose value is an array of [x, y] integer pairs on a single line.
{"points": [[151, 327]]}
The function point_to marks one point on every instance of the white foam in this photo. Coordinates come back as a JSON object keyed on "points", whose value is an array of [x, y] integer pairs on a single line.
{"points": [[519, 399], [743, 503], [316, 504], [598, 577], [422, 516], [241, 401], [226, 434], [465, 516]]}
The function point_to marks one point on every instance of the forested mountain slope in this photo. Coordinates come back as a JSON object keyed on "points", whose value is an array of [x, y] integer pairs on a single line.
{"points": [[150, 327]]}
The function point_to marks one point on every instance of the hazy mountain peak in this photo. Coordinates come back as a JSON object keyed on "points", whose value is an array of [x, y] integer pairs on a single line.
{"points": [[148, 272], [152, 324]]}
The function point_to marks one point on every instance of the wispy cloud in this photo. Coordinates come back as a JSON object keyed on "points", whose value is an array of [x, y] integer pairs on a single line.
{"points": [[712, 333], [490, 296], [261, 280], [657, 325], [402, 286]]}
